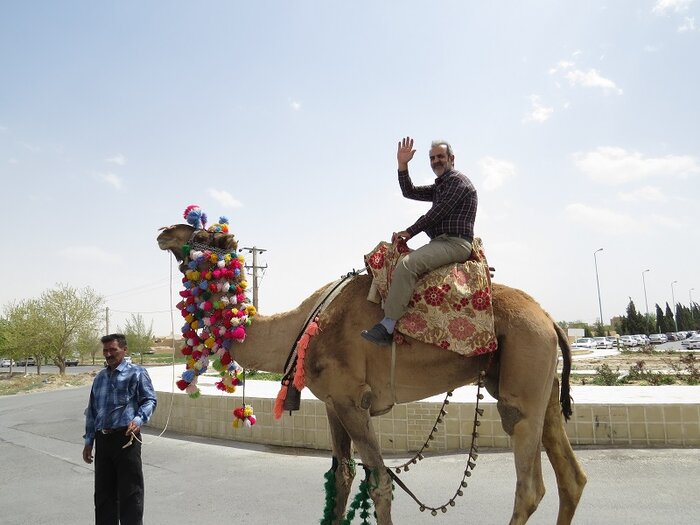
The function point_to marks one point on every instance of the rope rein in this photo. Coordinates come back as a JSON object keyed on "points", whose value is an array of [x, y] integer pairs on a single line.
{"points": [[290, 363]]}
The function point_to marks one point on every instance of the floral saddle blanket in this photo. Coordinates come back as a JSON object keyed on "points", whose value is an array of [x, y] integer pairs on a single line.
{"points": [[451, 306]]}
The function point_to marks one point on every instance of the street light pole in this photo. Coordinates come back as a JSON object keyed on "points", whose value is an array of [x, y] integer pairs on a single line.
{"points": [[646, 303], [673, 298], [690, 295], [597, 282]]}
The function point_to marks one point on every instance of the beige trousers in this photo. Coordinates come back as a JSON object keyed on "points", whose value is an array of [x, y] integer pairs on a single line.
{"points": [[438, 252]]}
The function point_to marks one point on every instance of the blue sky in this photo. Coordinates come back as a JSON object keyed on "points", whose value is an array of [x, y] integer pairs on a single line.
{"points": [[576, 121]]}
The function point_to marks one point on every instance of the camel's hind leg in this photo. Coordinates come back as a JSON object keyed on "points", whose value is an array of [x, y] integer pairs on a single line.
{"points": [[523, 391], [358, 424], [570, 476], [344, 463]]}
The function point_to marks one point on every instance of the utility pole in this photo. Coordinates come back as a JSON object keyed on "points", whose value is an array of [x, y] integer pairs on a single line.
{"points": [[255, 251], [107, 320]]}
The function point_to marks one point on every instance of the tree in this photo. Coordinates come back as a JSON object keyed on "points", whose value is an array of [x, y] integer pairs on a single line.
{"points": [[633, 322], [68, 312], [22, 331], [670, 320], [87, 344], [138, 337]]}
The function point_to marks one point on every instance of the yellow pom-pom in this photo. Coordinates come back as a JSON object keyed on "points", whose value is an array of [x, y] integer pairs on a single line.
{"points": [[189, 318], [250, 310], [194, 324], [190, 363], [235, 423], [243, 284], [209, 342], [214, 258]]}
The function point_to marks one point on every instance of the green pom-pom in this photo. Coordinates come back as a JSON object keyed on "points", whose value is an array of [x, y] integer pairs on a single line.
{"points": [[206, 295], [186, 249], [217, 365], [195, 394]]}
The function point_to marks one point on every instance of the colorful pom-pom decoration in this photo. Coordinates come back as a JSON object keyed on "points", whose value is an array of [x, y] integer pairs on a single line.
{"points": [[216, 312], [243, 416]]}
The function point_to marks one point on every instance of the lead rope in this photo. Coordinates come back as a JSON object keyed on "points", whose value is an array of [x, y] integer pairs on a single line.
{"points": [[172, 382]]}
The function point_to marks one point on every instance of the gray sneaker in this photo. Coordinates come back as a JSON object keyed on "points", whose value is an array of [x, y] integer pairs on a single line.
{"points": [[378, 335]]}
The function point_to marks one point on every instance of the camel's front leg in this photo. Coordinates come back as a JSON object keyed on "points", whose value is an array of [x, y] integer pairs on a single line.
{"points": [[344, 463], [358, 424]]}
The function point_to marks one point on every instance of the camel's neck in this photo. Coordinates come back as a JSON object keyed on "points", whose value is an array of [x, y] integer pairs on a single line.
{"points": [[270, 338]]}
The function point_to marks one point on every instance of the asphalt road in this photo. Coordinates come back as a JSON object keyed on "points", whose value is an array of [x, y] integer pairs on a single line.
{"points": [[196, 480]]}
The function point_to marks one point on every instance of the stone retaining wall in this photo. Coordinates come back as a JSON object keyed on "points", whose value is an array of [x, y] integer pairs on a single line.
{"points": [[406, 427]]}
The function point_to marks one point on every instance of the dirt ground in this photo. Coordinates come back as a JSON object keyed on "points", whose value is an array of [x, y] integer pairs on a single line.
{"points": [[21, 384]]}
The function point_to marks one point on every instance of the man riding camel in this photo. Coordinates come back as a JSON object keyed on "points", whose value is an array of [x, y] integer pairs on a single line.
{"points": [[449, 223]]}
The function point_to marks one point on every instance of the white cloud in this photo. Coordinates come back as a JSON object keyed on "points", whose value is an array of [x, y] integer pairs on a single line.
{"points": [[562, 65], [224, 198], [495, 172], [645, 194], [88, 254], [591, 78], [296, 106], [663, 6], [118, 159], [602, 220], [538, 112], [612, 165], [687, 25], [112, 179]]}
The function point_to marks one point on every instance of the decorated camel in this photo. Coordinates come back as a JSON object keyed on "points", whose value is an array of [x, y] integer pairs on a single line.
{"points": [[355, 380]]}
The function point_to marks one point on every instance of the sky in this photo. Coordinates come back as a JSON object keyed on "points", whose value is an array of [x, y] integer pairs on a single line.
{"points": [[576, 121]]}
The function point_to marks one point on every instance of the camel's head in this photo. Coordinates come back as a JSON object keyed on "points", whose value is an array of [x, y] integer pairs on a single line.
{"points": [[173, 238]]}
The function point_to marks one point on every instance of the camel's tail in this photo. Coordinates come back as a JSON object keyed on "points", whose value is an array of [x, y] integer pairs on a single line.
{"points": [[564, 396]]}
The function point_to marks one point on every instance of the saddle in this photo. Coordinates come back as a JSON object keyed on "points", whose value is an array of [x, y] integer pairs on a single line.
{"points": [[451, 306]]}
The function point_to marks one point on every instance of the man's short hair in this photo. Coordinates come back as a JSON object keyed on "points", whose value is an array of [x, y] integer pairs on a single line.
{"points": [[119, 338], [435, 143]]}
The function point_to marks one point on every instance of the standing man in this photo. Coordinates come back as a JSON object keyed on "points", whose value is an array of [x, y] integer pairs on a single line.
{"points": [[449, 223], [121, 400]]}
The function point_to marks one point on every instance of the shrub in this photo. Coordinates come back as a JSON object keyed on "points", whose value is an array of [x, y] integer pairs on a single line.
{"points": [[606, 376]]}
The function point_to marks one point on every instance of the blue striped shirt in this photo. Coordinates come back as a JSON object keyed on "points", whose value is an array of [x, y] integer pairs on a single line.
{"points": [[118, 397]]}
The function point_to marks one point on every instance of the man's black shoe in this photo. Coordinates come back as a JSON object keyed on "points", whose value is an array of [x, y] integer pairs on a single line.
{"points": [[378, 335]]}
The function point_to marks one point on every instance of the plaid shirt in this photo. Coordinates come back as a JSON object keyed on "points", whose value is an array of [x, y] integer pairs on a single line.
{"points": [[119, 397], [454, 204]]}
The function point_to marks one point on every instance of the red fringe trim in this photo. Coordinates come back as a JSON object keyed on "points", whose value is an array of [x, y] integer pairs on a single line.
{"points": [[279, 402], [302, 345]]}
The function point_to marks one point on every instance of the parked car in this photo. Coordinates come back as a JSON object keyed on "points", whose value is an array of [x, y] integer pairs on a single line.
{"points": [[584, 342], [657, 339], [26, 361], [692, 343], [72, 361], [602, 342], [628, 340], [643, 339], [6, 363], [670, 336]]}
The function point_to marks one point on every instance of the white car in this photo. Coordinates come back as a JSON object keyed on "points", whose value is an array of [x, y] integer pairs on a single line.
{"points": [[584, 342], [602, 342], [628, 340], [6, 363], [657, 339], [692, 343]]}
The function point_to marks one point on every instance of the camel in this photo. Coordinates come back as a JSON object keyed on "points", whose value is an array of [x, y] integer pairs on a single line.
{"points": [[352, 377]]}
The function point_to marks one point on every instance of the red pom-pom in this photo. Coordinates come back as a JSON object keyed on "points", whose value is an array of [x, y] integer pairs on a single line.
{"points": [[225, 359], [182, 384], [186, 350]]}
